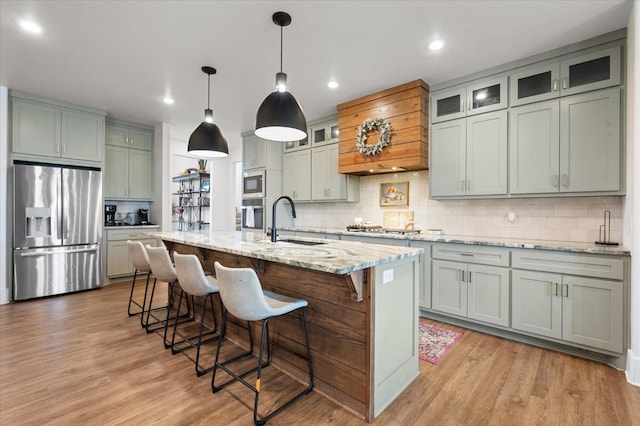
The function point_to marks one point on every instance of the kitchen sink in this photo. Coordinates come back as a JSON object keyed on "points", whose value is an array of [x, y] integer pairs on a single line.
{"points": [[302, 242]]}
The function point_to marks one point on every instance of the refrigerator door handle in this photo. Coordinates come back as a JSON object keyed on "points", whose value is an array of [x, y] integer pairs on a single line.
{"points": [[59, 251]]}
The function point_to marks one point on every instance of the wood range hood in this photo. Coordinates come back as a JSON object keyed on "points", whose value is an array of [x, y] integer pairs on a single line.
{"points": [[406, 108]]}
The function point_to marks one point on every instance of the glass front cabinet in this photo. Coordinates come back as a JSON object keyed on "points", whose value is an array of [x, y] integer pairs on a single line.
{"points": [[582, 73], [474, 98]]}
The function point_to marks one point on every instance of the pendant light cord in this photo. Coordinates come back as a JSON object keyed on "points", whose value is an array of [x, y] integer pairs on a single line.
{"points": [[208, 90], [280, 48]]}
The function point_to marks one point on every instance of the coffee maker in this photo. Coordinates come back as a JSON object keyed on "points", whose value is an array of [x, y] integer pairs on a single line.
{"points": [[110, 214], [143, 216]]}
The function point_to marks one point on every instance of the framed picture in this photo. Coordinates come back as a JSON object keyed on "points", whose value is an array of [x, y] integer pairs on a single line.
{"points": [[394, 194]]}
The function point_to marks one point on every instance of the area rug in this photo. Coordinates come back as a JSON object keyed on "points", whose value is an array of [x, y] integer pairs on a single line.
{"points": [[434, 342]]}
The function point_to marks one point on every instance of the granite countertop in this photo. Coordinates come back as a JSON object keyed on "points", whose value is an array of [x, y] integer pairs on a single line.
{"points": [[566, 246], [333, 256]]}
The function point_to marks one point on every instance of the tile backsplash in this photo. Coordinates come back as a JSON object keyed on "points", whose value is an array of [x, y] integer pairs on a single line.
{"points": [[574, 219]]}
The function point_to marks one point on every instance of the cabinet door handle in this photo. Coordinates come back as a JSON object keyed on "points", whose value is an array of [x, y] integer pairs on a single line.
{"points": [[554, 181], [565, 82], [556, 288], [468, 184], [469, 277], [469, 106], [554, 85], [566, 290], [58, 149], [462, 273], [461, 106], [131, 141], [565, 180], [64, 149]]}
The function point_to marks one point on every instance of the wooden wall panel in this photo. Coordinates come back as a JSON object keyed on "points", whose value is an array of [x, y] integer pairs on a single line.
{"points": [[406, 108]]}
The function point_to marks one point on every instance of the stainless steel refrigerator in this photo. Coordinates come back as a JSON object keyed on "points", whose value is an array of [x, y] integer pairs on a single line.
{"points": [[57, 229]]}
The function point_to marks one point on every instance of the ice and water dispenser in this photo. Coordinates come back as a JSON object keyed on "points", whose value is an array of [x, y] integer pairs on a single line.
{"points": [[38, 222]]}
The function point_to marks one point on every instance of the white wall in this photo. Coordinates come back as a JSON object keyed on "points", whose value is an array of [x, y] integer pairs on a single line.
{"points": [[632, 208], [5, 276]]}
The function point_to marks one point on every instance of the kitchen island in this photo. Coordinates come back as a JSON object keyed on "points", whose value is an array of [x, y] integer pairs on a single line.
{"points": [[362, 314]]}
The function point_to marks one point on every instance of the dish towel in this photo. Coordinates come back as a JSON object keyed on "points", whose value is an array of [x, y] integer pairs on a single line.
{"points": [[249, 220]]}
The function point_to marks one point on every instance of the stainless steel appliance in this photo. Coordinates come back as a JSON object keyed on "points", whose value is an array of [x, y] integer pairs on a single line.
{"points": [[254, 184], [110, 214], [57, 229], [253, 213]]}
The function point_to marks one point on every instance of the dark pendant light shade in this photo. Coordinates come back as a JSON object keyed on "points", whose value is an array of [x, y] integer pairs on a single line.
{"points": [[207, 140], [280, 117]]}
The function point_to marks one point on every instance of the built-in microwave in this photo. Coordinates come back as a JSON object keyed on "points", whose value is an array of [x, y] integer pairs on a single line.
{"points": [[254, 184]]}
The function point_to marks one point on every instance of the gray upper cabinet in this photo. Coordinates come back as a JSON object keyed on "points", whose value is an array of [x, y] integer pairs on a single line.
{"points": [[324, 133], [128, 136], [590, 71], [296, 175], [49, 130], [585, 72], [258, 153], [473, 98], [129, 162], [469, 156], [567, 145], [326, 183]]}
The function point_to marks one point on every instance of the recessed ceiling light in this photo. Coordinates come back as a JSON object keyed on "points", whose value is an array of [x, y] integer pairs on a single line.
{"points": [[436, 45], [332, 84], [168, 100], [30, 26]]}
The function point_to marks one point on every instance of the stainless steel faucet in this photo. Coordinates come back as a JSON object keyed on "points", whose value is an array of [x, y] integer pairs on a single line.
{"points": [[274, 235]]}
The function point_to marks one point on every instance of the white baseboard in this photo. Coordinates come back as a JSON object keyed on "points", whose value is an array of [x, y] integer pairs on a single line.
{"points": [[4, 296], [633, 368]]}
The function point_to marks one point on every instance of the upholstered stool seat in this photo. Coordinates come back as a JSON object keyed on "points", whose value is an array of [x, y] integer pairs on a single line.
{"points": [[163, 270], [140, 261], [242, 295], [194, 282]]}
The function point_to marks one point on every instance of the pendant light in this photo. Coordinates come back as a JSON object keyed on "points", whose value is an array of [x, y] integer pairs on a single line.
{"points": [[207, 140], [280, 117]]}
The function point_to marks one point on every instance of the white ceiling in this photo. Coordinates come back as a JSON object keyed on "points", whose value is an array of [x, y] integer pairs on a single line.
{"points": [[124, 56]]}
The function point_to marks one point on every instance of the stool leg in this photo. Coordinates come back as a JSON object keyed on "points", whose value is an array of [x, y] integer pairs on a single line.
{"points": [[145, 324], [169, 305], [175, 326], [200, 372], [133, 284], [265, 328], [223, 328], [144, 300]]}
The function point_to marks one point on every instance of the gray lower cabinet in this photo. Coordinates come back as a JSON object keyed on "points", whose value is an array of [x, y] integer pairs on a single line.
{"points": [[424, 291], [471, 282], [574, 298], [567, 145], [478, 292], [118, 262], [586, 311]]}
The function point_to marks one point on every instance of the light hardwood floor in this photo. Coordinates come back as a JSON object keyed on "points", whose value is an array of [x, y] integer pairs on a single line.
{"points": [[80, 360]]}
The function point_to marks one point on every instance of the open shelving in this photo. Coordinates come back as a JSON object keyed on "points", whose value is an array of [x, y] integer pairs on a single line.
{"points": [[193, 198]]}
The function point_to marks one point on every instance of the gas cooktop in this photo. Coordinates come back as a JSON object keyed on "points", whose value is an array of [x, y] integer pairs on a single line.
{"points": [[380, 230]]}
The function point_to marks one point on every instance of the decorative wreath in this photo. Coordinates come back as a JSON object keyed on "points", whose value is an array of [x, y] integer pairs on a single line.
{"points": [[368, 125]]}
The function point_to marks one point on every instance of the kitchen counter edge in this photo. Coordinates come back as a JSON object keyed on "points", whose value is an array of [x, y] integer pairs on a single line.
{"points": [[342, 257], [563, 246]]}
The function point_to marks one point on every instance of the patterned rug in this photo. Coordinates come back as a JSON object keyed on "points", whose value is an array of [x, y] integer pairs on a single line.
{"points": [[434, 342]]}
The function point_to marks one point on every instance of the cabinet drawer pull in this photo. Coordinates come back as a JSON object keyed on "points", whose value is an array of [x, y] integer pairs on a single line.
{"points": [[466, 254]]}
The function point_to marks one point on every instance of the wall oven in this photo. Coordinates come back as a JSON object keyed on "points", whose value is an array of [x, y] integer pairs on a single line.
{"points": [[254, 184], [253, 213]]}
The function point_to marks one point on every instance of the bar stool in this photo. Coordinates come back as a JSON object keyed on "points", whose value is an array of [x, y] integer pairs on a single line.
{"points": [[242, 295], [140, 260], [163, 270], [194, 282]]}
